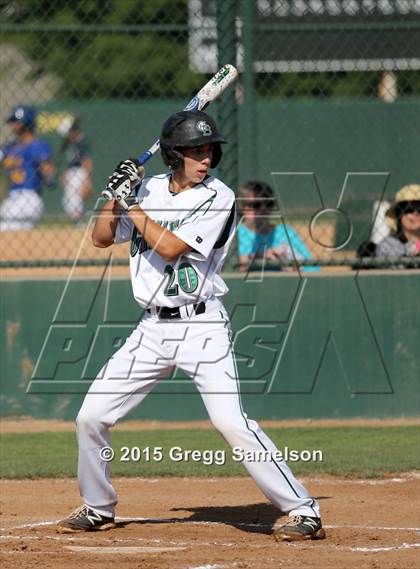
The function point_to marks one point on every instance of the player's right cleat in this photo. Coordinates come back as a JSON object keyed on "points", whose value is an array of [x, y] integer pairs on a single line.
{"points": [[299, 528], [85, 519]]}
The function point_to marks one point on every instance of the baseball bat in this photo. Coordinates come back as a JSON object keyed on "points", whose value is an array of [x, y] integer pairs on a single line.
{"points": [[206, 95]]}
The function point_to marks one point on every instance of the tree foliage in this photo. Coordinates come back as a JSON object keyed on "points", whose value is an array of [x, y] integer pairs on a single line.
{"points": [[98, 50], [139, 49]]}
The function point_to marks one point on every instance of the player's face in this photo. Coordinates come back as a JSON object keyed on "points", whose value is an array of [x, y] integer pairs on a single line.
{"points": [[252, 207], [246, 203], [197, 161], [410, 220], [16, 127]]}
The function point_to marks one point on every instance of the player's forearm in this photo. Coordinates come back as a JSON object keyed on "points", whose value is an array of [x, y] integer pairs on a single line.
{"points": [[164, 242], [103, 233]]}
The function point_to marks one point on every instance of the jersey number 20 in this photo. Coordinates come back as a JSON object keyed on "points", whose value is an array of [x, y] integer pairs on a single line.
{"points": [[187, 279]]}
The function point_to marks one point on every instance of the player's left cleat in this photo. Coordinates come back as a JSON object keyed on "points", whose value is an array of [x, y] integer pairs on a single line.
{"points": [[85, 519], [299, 528]]}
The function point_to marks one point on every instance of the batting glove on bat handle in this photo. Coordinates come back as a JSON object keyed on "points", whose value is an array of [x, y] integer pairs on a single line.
{"points": [[121, 189], [130, 168], [107, 194]]}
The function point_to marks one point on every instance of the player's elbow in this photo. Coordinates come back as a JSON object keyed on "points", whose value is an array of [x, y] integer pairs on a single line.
{"points": [[101, 242], [102, 235], [171, 249]]}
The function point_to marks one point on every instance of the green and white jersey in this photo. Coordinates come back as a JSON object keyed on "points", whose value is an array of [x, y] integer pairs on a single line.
{"points": [[204, 218]]}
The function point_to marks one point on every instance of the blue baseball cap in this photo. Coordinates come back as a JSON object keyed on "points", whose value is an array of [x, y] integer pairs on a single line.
{"points": [[23, 114]]}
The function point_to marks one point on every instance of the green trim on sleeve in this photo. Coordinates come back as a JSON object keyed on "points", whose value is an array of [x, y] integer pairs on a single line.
{"points": [[203, 208], [226, 230]]}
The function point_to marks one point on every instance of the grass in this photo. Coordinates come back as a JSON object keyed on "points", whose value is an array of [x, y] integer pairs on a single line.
{"points": [[347, 451]]}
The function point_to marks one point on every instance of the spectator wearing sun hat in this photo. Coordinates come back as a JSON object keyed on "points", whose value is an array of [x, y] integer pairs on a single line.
{"points": [[403, 218]]}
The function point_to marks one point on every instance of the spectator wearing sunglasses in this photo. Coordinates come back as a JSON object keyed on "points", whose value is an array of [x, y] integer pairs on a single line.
{"points": [[258, 237], [403, 217]]}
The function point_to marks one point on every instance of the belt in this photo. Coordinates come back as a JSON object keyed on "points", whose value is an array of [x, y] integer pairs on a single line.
{"points": [[168, 313]]}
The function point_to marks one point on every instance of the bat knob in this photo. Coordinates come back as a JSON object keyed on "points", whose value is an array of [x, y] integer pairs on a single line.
{"points": [[107, 194]]}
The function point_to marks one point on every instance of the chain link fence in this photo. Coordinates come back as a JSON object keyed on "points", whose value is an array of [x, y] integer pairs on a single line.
{"points": [[323, 123]]}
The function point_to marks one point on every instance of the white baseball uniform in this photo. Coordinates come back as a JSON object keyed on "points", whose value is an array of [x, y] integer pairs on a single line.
{"points": [[191, 333]]}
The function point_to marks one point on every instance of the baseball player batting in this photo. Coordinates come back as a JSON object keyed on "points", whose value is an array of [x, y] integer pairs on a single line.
{"points": [[180, 225]]}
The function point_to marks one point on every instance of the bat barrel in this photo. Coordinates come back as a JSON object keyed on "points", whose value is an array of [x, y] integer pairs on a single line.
{"points": [[211, 90]]}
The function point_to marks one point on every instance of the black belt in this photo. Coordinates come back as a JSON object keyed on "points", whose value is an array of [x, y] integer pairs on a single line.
{"points": [[167, 313]]}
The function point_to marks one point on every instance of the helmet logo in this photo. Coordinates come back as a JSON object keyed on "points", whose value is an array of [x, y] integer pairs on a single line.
{"points": [[19, 113], [204, 127]]}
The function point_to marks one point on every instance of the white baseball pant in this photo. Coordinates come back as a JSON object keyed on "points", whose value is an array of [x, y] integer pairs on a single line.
{"points": [[74, 179], [20, 210], [200, 346]]}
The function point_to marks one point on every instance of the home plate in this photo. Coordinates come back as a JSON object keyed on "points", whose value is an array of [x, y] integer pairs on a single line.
{"points": [[106, 550]]}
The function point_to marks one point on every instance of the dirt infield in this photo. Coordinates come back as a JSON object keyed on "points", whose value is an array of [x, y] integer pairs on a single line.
{"points": [[214, 523], [220, 523]]}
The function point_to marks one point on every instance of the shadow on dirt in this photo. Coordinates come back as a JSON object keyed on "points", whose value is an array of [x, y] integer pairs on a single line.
{"points": [[254, 518]]}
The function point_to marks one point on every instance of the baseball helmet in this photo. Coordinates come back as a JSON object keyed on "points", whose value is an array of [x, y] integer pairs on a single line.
{"points": [[24, 114], [187, 129]]}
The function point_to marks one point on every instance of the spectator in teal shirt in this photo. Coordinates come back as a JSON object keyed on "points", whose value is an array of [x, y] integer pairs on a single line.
{"points": [[258, 237]]}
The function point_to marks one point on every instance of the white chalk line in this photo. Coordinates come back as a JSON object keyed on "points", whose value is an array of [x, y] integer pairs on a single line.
{"points": [[373, 528], [31, 525], [122, 550], [208, 566], [361, 549], [77, 538], [379, 549], [182, 546], [203, 522], [144, 549], [126, 549], [145, 521]]}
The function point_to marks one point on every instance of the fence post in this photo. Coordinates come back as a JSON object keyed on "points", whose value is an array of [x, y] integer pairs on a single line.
{"points": [[249, 138], [227, 109]]}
